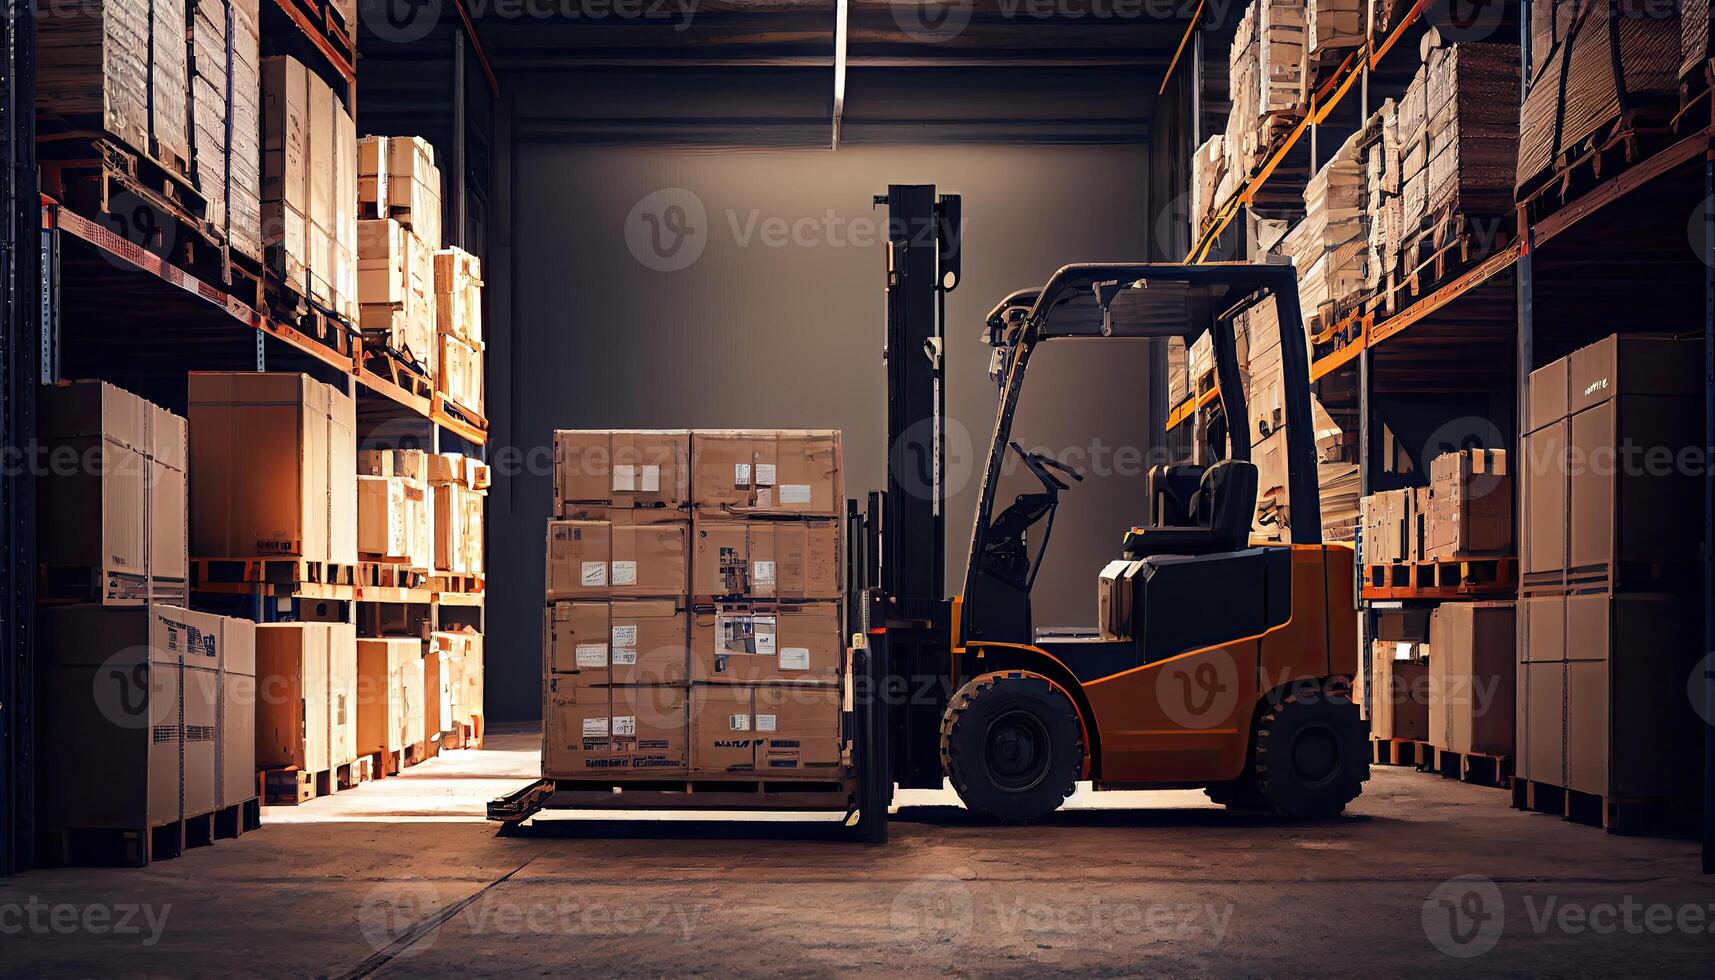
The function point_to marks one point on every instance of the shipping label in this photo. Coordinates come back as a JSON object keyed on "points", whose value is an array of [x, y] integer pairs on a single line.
{"points": [[795, 493], [625, 636], [764, 474], [624, 573], [795, 658], [594, 574], [765, 723], [738, 723], [592, 655], [624, 725], [595, 727]]}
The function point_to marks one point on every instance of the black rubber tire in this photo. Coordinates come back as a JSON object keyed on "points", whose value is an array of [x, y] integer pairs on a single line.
{"points": [[1012, 746], [1311, 757]]}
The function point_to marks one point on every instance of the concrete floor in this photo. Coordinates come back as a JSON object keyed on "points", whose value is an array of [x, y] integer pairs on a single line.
{"points": [[403, 877]]}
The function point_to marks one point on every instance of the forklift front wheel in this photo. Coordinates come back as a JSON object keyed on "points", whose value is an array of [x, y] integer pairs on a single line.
{"points": [[1012, 746]]}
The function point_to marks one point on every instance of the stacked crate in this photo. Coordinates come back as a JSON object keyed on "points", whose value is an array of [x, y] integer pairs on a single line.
{"points": [[307, 705], [1333, 27], [399, 198], [309, 185], [1382, 206], [167, 726], [272, 469], [694, 619], [93, 69], [1607, 619], [458, 328], [458, 486], [395, 509], [1266, 81]]}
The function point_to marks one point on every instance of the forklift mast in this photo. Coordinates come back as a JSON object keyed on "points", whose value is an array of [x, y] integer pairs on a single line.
{"points": [[908, 621]]}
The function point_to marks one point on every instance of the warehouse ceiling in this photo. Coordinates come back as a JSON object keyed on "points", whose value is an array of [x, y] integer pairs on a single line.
{"points": [[761, 72]]}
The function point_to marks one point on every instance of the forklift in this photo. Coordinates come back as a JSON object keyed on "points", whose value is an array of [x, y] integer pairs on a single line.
{"points": [[1224, 665]]}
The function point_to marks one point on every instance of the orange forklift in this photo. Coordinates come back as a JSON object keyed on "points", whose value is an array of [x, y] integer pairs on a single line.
{"points": [[1221, 664]]}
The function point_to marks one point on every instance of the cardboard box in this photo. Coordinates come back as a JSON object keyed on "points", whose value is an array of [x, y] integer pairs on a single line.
{"points": [[1389, 522], [271, 467], [1472, 677], [342, 693], [383, 531], [1398, 695], [798, 729], [757, 471], [93, 63], [458, 372], [397, 178], [414, 690], [237, 724], [639, 641], [766, 559], [752, 642], [1542, 489], [292, 720], [724, 738], [462, 650], [458, 294], [111, 521], [457, 525], [1403, 625], [615, 730], [395, 289], [286, 164], [381, 701], [1540, 732], [437, 691], [1470, 506], [623, 469], [113, 709], [596, 559]]}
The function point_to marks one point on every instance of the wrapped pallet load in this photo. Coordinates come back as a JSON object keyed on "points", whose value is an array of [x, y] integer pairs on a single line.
{"points": [[1609, 64]]}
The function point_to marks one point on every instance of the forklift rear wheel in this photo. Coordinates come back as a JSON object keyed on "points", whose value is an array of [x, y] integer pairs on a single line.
{"points": [[1310, 758], [1012, 746]]}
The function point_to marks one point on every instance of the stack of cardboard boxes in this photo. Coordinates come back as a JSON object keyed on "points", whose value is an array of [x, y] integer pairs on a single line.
{"points": [[399, 196], [1465, 512], [146, 699], [93, 64], [226, 91], [309, 185], [459, 487], [1383, 209], [1607, 631], [693, 622], [395, 508], [458, 327], [1327, 246], [1267, 79]]}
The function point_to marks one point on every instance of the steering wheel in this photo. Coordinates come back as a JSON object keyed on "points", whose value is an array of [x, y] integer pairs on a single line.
{"points": [[1039, 464]]}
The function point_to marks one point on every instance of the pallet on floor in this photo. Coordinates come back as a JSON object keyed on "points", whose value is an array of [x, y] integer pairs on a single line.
{"points": [[291, 786], [137, 848], [354, 773], [465, 735], [1477, 768], [384, 764], [1397, 751], [1612, 814]]}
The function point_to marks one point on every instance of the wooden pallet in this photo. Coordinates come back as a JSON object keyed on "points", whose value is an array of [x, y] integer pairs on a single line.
{"points": [[391, 573], [1615, 815], [1623, 142], [109, 846], [1449, 244], [1477, 768], [292, 786], [465, 735], [354, 773], [384, 764], [238, 819], [1451, 578], [1397, 751], [212, 573], [464, 583], [398, 367], [812, 791]]}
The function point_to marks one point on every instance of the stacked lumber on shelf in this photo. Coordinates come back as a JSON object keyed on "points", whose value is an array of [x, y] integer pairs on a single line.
{"points": [[1609, 66], [169, 86], [1328, 245], [1267, 71], [1333, 26], [93, 65], [1209, 182], [226, 92], [1379, 148], [1473, 127]]}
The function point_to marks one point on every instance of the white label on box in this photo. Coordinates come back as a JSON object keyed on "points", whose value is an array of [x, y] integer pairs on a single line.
{"points": [[1402, 651], [763, 628], [624, 656], [592, 655], [765, 723], [795, 493], [624, 573], [594, 727], [624, 477], [738, 723], [764, 474], [651, 479], [624, 725], [762, 574], [741, 474], [795, 658], [625, 636], [594, 574]]}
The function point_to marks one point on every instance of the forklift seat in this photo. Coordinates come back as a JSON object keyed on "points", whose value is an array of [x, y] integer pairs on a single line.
{"points": [[1220, 516], [1172, 489]]}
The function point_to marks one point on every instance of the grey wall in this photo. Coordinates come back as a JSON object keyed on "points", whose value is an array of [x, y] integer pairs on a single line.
{"points": [[758, 333]]}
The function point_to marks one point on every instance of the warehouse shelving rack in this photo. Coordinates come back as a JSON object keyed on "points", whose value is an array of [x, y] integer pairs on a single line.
{"points": [[1634, 242]]}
